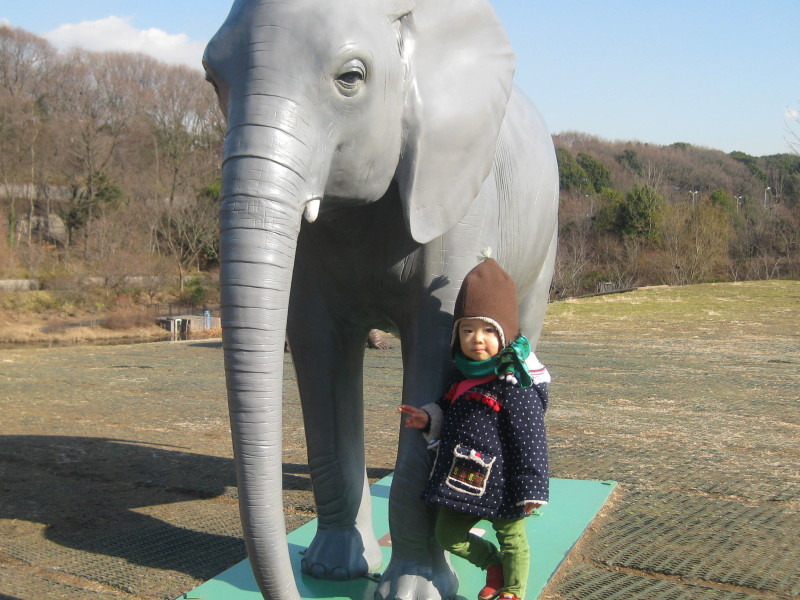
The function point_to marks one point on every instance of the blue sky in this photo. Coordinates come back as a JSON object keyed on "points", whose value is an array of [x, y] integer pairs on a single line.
{"points": [[718, 74]]}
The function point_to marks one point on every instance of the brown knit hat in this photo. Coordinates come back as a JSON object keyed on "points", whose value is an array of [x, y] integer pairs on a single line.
{"points": [[488, 293]]}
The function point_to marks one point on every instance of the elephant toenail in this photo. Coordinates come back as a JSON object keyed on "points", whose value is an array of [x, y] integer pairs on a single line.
{"points": [[319, 571]]}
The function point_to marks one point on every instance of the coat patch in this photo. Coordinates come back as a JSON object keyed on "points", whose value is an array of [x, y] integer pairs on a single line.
{"points": [[469, 471]]}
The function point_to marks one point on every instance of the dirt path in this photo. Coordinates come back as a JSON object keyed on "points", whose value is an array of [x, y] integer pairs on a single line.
{"points": [[116, 478]]}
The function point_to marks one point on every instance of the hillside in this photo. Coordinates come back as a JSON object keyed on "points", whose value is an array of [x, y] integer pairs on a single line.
{"points": [[641, 214], [677, 170]]}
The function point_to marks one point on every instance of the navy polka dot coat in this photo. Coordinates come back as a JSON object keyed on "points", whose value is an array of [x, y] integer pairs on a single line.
{"points": [[492, 449]]}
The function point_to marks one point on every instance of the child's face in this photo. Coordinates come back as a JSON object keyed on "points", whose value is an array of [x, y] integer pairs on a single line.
{"points": [[479, 339]]}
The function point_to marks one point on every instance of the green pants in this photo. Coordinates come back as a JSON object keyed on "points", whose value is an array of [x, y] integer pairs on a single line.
{"points": [[452, 533]]}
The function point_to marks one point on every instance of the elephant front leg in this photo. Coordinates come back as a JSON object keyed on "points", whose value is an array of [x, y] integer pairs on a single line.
{"points": [[329, 372], [419, 568]]}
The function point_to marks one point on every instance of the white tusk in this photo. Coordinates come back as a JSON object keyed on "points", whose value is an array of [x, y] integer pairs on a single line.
{"points": [[311, 211]]}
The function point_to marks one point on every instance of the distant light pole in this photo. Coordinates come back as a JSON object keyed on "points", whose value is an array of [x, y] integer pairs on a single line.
{"points": [[765, 194], [738, 202], [694, 195]]}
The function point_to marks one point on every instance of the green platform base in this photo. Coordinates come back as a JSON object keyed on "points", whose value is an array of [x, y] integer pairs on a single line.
{"points": [[551, 534]]}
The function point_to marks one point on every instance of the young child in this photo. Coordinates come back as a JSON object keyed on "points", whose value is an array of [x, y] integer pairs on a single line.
{"points": [[489, 433]]}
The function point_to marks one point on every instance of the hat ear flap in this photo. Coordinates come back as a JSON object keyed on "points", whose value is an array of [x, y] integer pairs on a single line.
{"points": [[454, 339]]}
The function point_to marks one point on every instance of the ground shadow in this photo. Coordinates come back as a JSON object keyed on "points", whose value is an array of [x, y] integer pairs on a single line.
{"points": [[90, 493], [86, 491], [215, 343]]}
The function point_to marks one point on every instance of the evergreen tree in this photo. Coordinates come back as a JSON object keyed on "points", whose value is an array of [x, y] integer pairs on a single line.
{"points": [[570, 173], [598, 174], [639, 216]]}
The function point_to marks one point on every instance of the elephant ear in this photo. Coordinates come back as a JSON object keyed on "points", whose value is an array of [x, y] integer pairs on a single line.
{"points": [[460, 66]]}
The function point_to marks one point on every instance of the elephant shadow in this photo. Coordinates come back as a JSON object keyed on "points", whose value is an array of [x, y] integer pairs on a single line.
{"points": [[118, 498]]}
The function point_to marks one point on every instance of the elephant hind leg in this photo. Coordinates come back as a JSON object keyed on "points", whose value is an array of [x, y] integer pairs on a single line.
{"points": [[533, 306]]}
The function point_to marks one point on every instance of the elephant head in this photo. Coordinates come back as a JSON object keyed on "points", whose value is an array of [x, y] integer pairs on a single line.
{"points": [[328, 105]]}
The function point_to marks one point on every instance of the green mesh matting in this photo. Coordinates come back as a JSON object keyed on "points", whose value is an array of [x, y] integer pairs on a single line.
{"points": [[715, 540], [552, 533], [586, 582]]}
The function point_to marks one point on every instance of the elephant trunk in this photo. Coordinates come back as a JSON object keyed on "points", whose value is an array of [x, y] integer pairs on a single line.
{"points": [[260, 216]]}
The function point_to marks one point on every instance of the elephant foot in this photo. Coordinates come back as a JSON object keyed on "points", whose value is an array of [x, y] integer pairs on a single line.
{"points": [[406, 579], [341, 554], [376, 340]]}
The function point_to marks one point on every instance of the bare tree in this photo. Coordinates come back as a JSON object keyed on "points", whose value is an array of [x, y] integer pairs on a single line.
{"points": [[98, 108], [574, 245], [26, 61], [186, 126], [187, 230], [696, 238], [154, 271], [793, 129], [620, 260], [184, 119]]}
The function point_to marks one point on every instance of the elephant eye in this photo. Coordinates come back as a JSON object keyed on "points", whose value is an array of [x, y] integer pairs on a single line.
{"points": [[351, 78]]}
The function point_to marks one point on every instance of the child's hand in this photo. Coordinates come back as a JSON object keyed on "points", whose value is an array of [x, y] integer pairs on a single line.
{"points": [[415, 417], [531, 506]]}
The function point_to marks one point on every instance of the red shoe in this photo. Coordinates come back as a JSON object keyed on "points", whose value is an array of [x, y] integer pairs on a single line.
{"points": [[494, 583]]}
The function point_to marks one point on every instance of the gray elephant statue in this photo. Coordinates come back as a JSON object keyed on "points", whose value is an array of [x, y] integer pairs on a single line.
{"points": [[374, 149]]}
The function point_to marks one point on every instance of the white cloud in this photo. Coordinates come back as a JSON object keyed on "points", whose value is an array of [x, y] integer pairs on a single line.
{"points": [[116, 33], [5, 21], [793, 114]]}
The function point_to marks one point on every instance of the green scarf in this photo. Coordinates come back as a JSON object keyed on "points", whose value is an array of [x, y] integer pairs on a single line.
{"points": [[509, 361]]}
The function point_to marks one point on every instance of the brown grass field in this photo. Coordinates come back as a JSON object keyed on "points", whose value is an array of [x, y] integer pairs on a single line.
{"points": [[116, 477]]}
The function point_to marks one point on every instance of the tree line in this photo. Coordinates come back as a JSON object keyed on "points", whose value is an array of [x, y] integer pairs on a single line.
{"points": [[636, 214], [109, 164], [109, 167]]}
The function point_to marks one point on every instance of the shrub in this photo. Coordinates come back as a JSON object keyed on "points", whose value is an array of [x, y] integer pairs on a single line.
{"points": [[194, 292], [127, 318]]}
